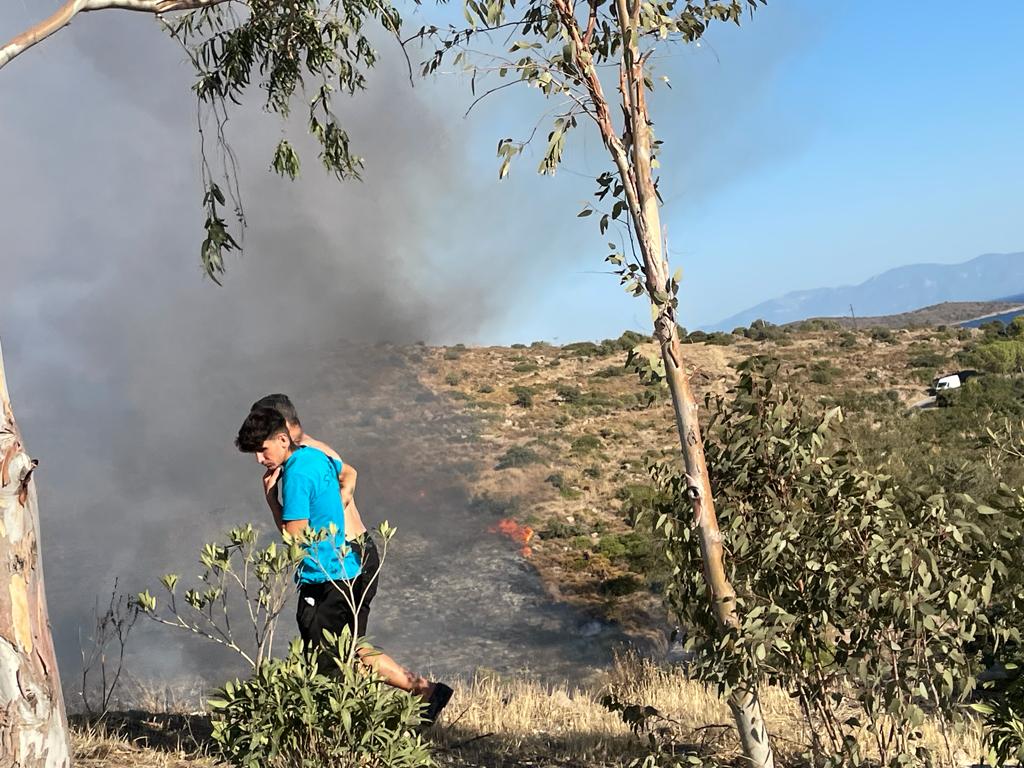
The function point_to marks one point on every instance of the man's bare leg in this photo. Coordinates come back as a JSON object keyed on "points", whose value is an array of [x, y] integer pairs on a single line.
{"points": [[395, 674]]}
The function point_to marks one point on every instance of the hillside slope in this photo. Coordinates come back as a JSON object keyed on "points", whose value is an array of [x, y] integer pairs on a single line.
{"points": [[565, 433]]}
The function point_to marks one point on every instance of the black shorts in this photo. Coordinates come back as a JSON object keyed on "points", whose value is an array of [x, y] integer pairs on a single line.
{"points": [[330, 606]]}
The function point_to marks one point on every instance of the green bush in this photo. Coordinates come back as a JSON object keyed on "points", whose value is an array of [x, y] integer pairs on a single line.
{"points": [[567, 393], [489, 506], [527, 366], [931, 360], [884, 335], [523, 396], [823, 372], [485, 389], [585, 444], [720, 339], [842, 576], [289, 714], [453, 353], [451, 379], [558, 529], [1003, 712], [584, 349], [619, 586], [847, 340], [981, 396], [998, 356], [518, 456]]}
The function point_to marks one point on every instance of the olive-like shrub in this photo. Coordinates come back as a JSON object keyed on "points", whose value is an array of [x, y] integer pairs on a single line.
{"points": [[874, 604]]}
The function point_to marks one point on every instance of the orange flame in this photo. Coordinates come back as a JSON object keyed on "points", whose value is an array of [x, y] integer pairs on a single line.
{"points": [[521, 534]]}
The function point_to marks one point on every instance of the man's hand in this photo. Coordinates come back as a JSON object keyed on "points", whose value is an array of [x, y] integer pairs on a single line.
{"points": [[270, 479]]}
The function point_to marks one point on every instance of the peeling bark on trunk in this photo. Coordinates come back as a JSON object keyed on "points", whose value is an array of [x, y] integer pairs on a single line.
{"points": [[33, 724]]}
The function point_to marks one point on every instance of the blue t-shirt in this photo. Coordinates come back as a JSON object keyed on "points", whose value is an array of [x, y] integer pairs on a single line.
{"points": [[309, 491]]}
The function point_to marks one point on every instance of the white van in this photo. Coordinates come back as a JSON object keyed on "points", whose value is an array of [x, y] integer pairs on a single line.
{"points": [[951, 381]]}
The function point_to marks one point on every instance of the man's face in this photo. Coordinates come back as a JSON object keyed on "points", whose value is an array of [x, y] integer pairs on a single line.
{"points": [[276, 450]]}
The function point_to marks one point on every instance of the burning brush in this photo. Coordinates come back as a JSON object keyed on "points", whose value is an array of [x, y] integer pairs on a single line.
{"points": [[521, 534]]}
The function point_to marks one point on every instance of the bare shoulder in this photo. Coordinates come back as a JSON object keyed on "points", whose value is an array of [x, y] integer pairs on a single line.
{"points": [[312, 442]]}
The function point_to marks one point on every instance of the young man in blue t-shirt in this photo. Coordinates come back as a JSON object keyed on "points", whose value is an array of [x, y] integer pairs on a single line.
{"points": [[310, 499]]}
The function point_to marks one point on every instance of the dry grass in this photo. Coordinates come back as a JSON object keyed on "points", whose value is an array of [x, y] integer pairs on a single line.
{"points": [[141, 739], [518, 721]]}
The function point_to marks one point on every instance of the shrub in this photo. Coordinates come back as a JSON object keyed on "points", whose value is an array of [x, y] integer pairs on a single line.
{"points": [[289, 714], [451, 379], [527, 366], [823, 372], [841, 575], [884, 335], [453, 353], [485, 389], [567, 393], [518, 346], [558, 529], [695, 337], [619, 586], [930, 360], [523, 396], [583, 349], [611, 372], [762, 330], [847, 340], [518, 456], [557, 479], [720, 339], [1004, 718], [999, 356], [490, 506], [585, 444]]}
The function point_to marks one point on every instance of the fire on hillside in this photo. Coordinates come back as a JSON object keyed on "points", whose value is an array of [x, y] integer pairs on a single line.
{"points": [[521, 534]]}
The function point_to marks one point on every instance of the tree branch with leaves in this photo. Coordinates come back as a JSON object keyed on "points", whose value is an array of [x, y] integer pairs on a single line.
{"points": [[304, 51]]}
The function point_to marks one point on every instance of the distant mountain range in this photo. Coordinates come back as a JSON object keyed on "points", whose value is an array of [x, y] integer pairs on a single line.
{"points": [[990, 277]]}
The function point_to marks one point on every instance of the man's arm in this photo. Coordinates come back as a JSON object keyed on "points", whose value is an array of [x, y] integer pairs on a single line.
{"points": [[347, 478], [295, 527], [347, 483]]}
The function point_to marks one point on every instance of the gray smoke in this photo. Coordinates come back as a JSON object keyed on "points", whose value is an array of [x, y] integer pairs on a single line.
{"points": [[129, 372]]}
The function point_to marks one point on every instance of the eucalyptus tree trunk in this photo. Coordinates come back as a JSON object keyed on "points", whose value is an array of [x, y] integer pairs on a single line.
{"points": [[33, 724], [632, 155]]}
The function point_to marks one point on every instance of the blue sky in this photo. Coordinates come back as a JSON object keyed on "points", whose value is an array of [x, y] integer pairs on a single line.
{"points": [[824, 142]]}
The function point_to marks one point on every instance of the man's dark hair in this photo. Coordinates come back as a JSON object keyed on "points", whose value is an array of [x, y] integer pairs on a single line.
{"points": [[280, 403], [261, 424]]}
